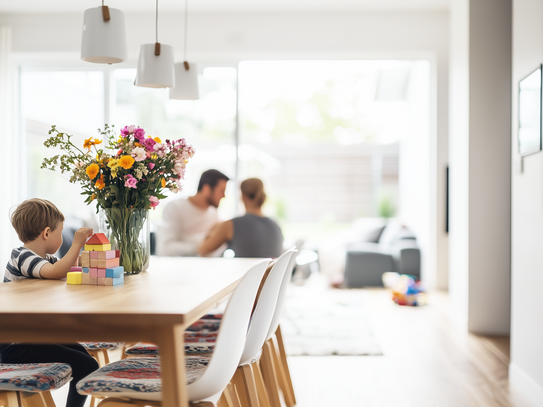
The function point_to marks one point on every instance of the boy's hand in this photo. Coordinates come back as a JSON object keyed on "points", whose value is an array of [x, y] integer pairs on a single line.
{"points": [[81, 236]]}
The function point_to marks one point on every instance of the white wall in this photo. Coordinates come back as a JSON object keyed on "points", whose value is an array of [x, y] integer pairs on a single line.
{"points": [[235, 37], [480, 164], [526, 371]]}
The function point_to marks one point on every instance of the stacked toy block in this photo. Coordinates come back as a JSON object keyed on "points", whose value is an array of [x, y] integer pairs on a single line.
{"points": [[98, 264]]}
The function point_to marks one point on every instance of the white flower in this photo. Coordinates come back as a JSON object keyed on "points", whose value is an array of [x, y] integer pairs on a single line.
{"points": [[139, 154]]}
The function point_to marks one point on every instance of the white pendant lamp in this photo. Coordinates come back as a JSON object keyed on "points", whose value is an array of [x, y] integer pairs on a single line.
{"points": [[155, 64], [104, 36], [186, 76]]}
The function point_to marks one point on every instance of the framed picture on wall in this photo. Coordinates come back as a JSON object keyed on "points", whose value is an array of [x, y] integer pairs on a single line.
{"points": [[529, 113]]}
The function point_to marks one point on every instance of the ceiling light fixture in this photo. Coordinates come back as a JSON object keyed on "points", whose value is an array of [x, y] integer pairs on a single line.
{"points": [[104, 36], [186, 76], [155, 64]]}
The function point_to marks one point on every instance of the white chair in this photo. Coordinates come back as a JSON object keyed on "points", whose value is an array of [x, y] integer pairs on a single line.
{"points": [[248, 379], [207, 376], [274, 360]]}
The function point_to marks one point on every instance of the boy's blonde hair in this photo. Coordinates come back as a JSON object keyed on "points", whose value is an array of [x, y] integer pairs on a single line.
{"points": [[33, 216]]}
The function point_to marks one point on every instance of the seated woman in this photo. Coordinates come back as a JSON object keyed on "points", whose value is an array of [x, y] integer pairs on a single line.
{"points": [[250, 235]]}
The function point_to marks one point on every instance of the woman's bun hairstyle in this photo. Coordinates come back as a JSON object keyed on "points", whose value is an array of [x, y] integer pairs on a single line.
{"points": [[253, 188]]}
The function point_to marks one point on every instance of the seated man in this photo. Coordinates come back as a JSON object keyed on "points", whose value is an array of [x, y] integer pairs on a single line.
{"points": [[186, 222]]}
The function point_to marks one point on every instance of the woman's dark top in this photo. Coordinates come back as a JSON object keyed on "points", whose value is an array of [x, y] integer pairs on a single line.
{"points": [[256, 236]]}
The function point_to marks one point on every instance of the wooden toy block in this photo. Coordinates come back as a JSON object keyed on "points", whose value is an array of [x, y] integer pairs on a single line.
{"points": [[101, 273], [85, 259], [73, 268], [109, 281], [102, 281], [117, 253], [93, 280], [94, 263], [98, 247], [93, 272], [85, 270], [98, 238], [115, 272], [93, 255], [117, 281], [85, 278], [108, 263], [74, 277], [110, 254]]}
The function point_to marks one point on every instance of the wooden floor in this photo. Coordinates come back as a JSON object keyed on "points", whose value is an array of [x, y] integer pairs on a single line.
{"points": [[428, 360]]}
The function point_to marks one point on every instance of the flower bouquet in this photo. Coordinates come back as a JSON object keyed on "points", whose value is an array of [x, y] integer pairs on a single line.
{"points": [[126, 178]]}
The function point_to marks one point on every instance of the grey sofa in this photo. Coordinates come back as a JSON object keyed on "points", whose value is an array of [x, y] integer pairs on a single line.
{"points": [[394, 251]]}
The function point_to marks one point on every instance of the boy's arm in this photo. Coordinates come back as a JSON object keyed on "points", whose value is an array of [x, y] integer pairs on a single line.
{"points": [[62, 267]]}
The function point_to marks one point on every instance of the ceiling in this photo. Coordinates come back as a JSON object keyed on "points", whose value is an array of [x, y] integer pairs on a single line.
{"points": [[235, 6]]}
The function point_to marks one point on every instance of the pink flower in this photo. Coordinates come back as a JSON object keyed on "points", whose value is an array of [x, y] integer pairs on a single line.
{"points": [[151, 166], [149, 143], [139, 135], [130, 181], [154, 201], [124, 131]]}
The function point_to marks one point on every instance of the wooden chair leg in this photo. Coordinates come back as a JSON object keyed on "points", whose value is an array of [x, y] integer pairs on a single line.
{"points": [[32, 399], [48, 398], [9, 399], [282, 378], [270, 375], [283, 357], [233, 395], [263, 397], [245, 384]]}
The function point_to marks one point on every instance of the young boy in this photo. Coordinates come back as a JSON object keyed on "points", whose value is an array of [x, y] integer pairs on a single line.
{"points": [[39, 225]]}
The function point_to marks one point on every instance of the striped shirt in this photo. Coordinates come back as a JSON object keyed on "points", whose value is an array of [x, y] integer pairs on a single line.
{"points": [[24, 263]]}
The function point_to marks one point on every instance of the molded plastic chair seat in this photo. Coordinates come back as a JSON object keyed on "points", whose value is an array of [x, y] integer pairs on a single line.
{"points": [[34, 377], [136, 378]]}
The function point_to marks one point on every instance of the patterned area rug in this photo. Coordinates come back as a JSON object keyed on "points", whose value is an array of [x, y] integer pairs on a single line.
{"points": [[319, 321]]}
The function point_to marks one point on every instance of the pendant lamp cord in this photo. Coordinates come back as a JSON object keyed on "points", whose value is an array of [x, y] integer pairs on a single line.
{"points": [[186, 25], [156, 21]]}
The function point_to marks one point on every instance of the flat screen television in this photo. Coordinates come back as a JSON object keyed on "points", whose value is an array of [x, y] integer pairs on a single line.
{"points": [[529, 113]]}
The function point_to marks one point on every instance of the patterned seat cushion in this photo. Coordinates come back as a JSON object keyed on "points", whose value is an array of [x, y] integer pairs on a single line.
{"points": [[35, 377], [208, 323], [195, 343], [101, 345], [137, 378]]}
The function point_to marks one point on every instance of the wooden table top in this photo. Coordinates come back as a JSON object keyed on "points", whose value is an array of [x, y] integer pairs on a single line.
{"points": [[174, 291]]}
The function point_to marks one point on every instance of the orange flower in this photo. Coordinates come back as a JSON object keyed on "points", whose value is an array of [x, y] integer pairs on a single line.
{"points": [[100, 184], [126, 162], [158, 140], [92, 197], [137, 144], [163, 182], [89, 143], [92, 170]]}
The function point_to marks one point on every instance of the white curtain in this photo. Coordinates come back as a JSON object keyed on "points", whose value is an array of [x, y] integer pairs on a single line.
{"points": [[9, 148]]}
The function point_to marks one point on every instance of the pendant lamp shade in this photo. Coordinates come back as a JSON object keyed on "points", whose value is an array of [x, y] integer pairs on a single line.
{"points": [[186, 82], [103, 41], [155, 71]]}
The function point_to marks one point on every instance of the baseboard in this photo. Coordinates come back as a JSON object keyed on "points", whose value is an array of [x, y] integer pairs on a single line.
{"points": [[525, 386]]}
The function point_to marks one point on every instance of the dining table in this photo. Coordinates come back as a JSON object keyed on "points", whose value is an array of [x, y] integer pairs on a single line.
{"points": [[155, 306]]}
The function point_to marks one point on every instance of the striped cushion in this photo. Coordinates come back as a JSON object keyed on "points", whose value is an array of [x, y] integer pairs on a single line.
{"points": [[208, 323], [195, 343], [35, 377], [101, 345], [137, 378]]}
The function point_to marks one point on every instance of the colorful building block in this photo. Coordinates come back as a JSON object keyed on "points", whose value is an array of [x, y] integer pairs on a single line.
{"points": [[115, 272], [118, 280], [98, 238], [98, 247], [102, 281], [73, 277], [85, 278], [93, 255], [93, 280], [85, 270], [101, 273], [117, 253], [108, 263], [109, 254], [93, 272], [94, 263], [73, 268], [85, 259]]}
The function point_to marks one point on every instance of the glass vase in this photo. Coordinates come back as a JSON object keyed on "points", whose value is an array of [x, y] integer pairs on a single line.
{"points": [[128, 231]]}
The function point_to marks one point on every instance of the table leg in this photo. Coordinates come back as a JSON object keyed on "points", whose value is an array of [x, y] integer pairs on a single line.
{"points": [[172, 366]]}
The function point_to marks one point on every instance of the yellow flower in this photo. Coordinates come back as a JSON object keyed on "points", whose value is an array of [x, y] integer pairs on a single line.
{"points": [[100, 184], [163, 182], [126, 162], [158, 140], [89, 143], [92, 170], [113, 162], [154, 156]]}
